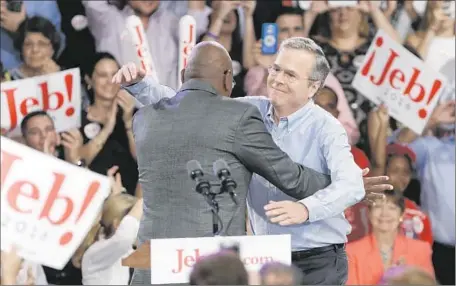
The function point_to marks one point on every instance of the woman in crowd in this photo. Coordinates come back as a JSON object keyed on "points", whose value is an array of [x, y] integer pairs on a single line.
{"points": [[38, 42], [345, 47], [385, 247], [435, 38], [224, 28], [111, 238], [397, 162], [107, 122]]}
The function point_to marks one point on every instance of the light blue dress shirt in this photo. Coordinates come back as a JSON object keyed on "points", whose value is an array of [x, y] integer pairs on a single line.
{"points": [[312, 137], [9, 56], [435, 166]]}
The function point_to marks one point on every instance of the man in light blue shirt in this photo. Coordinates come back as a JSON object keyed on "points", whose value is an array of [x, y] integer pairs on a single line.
{"points": [[11, 21], [310, 136], [435, 166]]}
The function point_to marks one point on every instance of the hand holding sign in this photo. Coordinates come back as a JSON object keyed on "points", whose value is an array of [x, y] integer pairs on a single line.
{"points": [[444, 113], [395, 77]]}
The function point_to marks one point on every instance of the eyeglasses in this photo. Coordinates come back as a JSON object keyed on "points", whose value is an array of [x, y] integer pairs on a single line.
{"points": [[225, 73], [39, 44], [289, 76]]}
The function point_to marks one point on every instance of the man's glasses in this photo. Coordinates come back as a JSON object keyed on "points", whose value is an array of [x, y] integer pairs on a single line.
{"points": [[289, 76], [225, 73]]}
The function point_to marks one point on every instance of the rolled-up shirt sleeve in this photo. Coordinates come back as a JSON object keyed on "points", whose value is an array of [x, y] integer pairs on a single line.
{"points": [[347, 187]]}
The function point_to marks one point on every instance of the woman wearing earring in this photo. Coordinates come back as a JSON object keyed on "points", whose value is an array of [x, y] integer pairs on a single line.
{"points": [[106, 124], [385, 247]]}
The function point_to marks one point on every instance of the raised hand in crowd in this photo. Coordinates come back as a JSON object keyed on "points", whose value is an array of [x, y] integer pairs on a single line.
{"points": [[10, 266], [51, 141], [223, 8], [72, 142], [10, 20], [444, 113], [128, 74], [116, 181], [261, 59], [248, 6]]}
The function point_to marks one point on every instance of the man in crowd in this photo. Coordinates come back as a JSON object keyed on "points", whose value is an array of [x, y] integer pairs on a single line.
{"points": [[38, 132], [435, 165], [291, 116], [161, 26]]}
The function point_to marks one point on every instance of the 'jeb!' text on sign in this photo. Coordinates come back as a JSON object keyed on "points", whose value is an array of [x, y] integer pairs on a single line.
{"points": [[392, 75], [47, 205], [59, 94]]}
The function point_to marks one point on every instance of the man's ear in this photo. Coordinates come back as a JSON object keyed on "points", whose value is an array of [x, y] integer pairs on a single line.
{"points": [[314, 87]]}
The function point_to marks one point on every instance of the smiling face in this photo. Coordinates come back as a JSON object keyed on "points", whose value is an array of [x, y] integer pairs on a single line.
{"points": [[399, 171], [345, 20], [385, 215], [144, 7], [290, 25], [289, 84], [37, 130], [101, 78]]}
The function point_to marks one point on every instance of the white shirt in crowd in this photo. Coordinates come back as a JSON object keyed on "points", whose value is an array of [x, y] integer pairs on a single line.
{"points": [[102, 262]]}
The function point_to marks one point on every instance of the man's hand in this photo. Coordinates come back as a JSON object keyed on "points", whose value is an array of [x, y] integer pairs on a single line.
{"points": [[375, 186], [9, 20], [129, 74], [72, 141], [286, 212]]}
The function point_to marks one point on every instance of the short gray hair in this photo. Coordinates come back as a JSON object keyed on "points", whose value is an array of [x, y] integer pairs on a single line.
{"points": [[321, 69]]}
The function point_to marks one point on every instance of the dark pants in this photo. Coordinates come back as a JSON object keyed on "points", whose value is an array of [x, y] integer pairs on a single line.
{"points": [[444, 265], [324, 266]]}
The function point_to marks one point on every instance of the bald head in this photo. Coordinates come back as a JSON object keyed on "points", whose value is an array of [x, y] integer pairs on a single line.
{"points": [[208, 61]]}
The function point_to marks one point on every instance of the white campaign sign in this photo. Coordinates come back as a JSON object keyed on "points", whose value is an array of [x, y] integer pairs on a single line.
{"points": [[172, 259], [59, 94], [395, 77], [47, 205]]}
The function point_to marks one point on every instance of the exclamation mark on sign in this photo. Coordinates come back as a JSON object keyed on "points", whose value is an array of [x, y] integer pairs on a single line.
{"points": [[422, 113], [69, 87], [93, 189]]}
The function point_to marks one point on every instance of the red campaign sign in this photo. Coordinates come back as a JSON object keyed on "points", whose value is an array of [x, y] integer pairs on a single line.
{"points": [[392, 75], [47, 205], [187, 40], [59, 94]]}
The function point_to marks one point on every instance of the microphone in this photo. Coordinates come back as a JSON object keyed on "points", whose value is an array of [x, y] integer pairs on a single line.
{"points": [[222, 171], [195, 172]]}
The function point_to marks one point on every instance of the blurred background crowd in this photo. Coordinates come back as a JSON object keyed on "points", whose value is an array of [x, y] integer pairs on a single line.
{"points": [[44, 37]]}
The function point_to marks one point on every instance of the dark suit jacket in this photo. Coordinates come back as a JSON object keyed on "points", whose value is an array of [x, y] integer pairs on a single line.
{"points": [[199, 124]]}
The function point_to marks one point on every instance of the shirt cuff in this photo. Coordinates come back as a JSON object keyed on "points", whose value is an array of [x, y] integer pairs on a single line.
{"points": [[136, 88], [313, 205]]}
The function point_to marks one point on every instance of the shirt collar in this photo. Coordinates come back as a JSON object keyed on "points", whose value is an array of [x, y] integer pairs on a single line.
{"points": [[292, 120]]}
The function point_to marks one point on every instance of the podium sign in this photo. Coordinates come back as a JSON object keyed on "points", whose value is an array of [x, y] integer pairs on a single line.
{"points": [[172, 260]]}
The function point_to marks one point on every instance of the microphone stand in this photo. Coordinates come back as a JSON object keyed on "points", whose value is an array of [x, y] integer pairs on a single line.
{"points": [[212, 202]]}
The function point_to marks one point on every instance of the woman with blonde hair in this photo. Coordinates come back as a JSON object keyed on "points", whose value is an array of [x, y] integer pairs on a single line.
{"points": [[111, 238]]}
